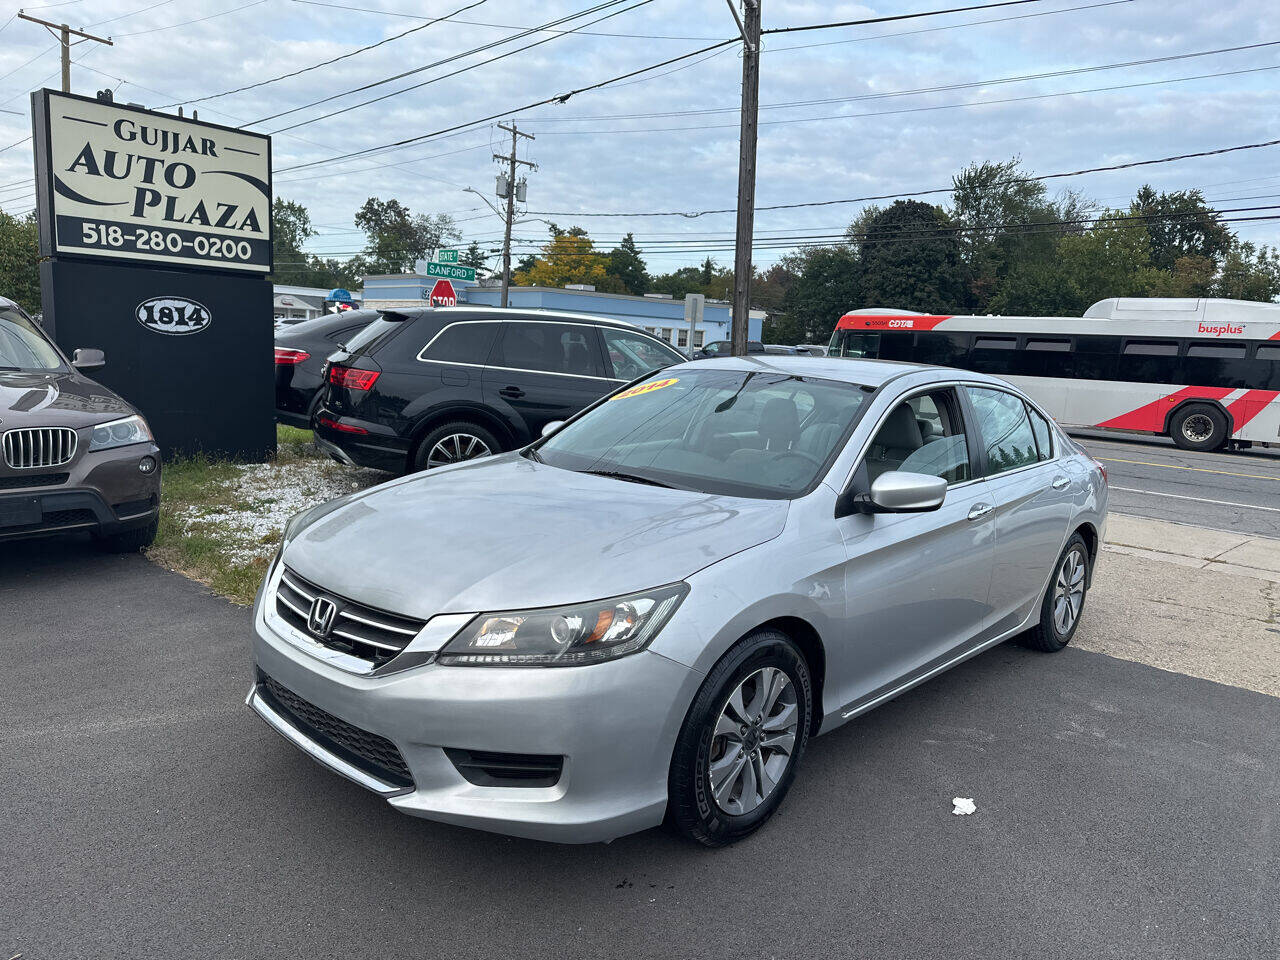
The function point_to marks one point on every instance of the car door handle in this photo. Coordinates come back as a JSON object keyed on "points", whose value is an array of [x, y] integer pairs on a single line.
{"points": [[514, 393], [1060, 483], [979, 510]]}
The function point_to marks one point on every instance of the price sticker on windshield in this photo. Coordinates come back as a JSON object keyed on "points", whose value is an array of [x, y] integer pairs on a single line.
{"points": [[646, 388]]}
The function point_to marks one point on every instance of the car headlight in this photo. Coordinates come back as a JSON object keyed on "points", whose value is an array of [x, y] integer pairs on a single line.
{"points": [[565, 636], [119, 433]]}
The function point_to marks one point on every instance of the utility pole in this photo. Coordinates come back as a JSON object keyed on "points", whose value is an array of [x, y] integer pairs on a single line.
{"points": [[749, 25], [64, 38], [512, 162]]}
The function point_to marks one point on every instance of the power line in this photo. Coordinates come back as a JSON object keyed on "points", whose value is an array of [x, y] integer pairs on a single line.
{"points": [[185, 23], [939, 88], [458, 56], [500, 26], [322, 63], [897, 16], [918, 193], [122, 16]]}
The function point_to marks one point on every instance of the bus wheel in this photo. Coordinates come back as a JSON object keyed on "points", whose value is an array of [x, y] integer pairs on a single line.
{"points": [[1198, 426]]}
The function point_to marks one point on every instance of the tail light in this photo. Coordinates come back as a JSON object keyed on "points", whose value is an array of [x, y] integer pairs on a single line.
{"points": [[352, 378], [287, 358], [1102, 468], [333, 424]]}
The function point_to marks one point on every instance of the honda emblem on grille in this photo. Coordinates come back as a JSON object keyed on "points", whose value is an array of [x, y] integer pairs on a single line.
{"points": [[320, 620]]}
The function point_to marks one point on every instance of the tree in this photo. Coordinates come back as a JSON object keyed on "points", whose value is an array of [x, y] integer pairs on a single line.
{"points": [[568, 257], [626, 264], [828, 285], [1249, 273], [474, 257], [19, 260], [290, 230], [397, 239], [709, 279], [910, 259], [1180, 224]]}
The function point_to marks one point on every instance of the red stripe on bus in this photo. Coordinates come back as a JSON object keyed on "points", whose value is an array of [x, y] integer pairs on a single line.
{"points": [[1245, 408], [1276, 336], [1151, 416], [869, 321]]}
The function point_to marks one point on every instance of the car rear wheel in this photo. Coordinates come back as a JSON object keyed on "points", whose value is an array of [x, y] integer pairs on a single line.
{"points": [[743, 737], [1063, 600], [452, 443], [1199, 426]]}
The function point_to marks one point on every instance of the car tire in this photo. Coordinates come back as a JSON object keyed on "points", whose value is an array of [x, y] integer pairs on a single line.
{"points": [[1198, 426], [1068, 585], [128, 541], [452, 443], [708, 801]]}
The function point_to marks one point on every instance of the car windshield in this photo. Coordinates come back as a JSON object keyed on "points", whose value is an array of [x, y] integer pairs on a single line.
{"points": [[23, 346], [758, 434]]}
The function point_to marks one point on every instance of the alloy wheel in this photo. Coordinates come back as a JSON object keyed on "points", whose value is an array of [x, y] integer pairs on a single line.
{"points": [[455, 448], [753, 741], [1197, 428], [1068, 591]]}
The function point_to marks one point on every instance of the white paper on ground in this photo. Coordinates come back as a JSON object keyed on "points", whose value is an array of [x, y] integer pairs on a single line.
{"points": [[963, 806]]}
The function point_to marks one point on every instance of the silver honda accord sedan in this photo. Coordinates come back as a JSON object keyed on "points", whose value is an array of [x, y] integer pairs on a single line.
{"points": [[647, 613]]}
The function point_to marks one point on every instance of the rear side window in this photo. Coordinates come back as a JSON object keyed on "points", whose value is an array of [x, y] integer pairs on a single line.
{"points": [[371, 334], [1043, 434], [632, 355], [564, 348], [1006, 431], [461, 343]]}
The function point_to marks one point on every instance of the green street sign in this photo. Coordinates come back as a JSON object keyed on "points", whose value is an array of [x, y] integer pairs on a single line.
{"points": [[450, 271], [447, 256]]}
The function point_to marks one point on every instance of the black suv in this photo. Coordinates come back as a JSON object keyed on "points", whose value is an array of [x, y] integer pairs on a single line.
{"points": [[426, 387], [301, 350]]}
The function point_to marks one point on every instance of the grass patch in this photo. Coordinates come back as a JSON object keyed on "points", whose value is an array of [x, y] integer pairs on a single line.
{"points": [[220, 522]]}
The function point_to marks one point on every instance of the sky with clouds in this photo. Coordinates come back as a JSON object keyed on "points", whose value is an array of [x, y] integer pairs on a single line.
{"points": [[837, 118]]}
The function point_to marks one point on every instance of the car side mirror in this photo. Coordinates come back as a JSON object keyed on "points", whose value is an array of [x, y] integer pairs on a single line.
{"points": [[89, 358], [900, 492], [552, 427]]}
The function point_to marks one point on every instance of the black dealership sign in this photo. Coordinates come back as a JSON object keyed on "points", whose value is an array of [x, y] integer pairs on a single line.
{"points": [[156, 231]]}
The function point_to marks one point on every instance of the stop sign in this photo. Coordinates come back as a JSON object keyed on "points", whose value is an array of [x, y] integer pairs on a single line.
{"points": [[442, 294]]}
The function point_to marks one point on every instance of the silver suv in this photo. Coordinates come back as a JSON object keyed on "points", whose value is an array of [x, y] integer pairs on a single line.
{"points": [[651, 610]]}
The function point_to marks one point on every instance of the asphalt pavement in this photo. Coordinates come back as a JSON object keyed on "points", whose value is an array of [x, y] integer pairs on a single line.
{"points": [[1150, 477], [1122, 811]]}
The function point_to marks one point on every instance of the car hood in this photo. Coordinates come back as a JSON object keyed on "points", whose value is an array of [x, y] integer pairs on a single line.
{"points": [[37, 399], [508, 533]]}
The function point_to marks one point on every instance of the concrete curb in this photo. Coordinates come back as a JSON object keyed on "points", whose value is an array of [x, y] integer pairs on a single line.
{"points": [[1244, 555]]}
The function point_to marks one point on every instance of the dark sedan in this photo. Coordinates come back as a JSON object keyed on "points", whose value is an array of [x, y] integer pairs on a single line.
{"points": [[301, 350]]}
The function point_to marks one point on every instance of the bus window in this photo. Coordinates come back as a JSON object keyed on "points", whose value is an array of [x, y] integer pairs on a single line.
{"points": [[1217, 365], [1150, 361], [993, 354], [1094, 358], [1268, 366], [942, 349], [846, 343], [895, 346], [1043, 357]]}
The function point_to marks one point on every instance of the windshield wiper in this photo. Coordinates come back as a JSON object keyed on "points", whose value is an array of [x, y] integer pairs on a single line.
{"points": [[631, 478]]}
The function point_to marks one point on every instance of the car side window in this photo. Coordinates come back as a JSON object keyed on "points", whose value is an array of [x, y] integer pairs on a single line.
{"points": [[633, 355], [1043, 433], [466, 342], [564, 348], [1005, 429], [923, 434]]}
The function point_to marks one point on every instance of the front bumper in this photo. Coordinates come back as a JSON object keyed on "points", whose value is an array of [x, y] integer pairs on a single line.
{"points": [[614, 723], [102, 491]]}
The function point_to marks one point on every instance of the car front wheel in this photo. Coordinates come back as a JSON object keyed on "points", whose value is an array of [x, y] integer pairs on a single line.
{"points": [[742, 740]]}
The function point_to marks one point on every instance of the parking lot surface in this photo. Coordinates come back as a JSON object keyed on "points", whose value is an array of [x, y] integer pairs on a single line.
{"points": [[1122, 811]]}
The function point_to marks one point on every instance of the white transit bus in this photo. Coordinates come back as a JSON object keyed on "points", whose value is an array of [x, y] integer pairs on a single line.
{"points": [[1204, 372]]}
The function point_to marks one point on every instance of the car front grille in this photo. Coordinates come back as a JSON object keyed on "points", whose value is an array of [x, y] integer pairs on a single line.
{"points": [[375, 755], [364, 632], [33, 480], [30, 447]]}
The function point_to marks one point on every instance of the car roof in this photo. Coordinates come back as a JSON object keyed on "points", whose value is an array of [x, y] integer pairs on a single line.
{"points": [[870, 373], [501, 313]]}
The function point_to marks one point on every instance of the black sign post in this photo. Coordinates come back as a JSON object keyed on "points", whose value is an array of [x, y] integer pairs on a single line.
{"points": [[156, 234]]}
